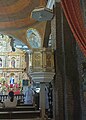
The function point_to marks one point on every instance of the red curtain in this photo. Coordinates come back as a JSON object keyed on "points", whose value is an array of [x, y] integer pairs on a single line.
{"points": [[74, 17]]}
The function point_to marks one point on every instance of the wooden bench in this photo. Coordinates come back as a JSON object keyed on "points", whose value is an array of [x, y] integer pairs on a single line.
{"points": [[18, 108], [19, 114]]}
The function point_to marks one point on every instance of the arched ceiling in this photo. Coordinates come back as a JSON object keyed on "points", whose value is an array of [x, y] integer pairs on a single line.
{"points": [[15, 17], [16, 14]]}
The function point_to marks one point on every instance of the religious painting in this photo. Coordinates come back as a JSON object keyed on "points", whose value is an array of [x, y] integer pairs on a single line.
{"points": [[37, 61], [48, 60], [33, 38], [13, 62]]}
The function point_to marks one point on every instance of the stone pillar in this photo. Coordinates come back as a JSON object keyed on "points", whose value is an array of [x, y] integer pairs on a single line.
{"points": [[58, 86], [42, 99]]}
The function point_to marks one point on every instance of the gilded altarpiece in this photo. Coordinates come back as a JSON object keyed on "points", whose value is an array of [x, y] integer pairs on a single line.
{"points": [[12, 64]]}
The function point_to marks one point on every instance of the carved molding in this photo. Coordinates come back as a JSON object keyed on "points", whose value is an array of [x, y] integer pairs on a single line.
{"points": [[42, 76]]}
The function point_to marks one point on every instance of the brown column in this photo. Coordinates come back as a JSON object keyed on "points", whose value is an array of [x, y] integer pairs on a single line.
{"points": [[66, 83], [73, 81], [58, 89]]}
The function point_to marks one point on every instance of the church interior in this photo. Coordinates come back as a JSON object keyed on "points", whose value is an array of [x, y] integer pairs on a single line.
{"points": [[43, 48]]}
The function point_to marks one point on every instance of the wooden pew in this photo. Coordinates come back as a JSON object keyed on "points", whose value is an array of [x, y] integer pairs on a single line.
{"points": [[18, 108], [19, 114]]}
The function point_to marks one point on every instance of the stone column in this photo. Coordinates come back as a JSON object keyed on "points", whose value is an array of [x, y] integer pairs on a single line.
{"points": [[42, 99]]}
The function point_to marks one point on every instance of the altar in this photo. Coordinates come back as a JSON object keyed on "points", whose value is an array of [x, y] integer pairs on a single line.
{"points": [[12, 67]]}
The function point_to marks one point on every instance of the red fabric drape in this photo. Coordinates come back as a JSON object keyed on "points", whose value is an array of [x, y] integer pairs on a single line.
{"points": [[74, 17]]}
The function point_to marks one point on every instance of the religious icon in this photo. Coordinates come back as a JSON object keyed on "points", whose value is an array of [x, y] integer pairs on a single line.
{"points": [[13, 63], [33, 38], [12, 80]]}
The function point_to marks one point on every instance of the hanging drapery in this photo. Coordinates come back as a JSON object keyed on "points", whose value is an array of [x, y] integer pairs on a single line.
{"points": [[74, 17]]}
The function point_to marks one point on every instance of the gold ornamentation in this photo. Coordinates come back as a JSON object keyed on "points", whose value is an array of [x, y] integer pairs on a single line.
{"points": [[42, 60]]}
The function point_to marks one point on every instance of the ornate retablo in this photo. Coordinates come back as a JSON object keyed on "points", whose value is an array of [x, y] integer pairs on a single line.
{"points": [[12, 63]]}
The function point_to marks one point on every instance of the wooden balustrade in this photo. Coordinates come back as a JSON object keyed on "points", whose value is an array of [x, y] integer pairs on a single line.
{"points": [[20, 97]]}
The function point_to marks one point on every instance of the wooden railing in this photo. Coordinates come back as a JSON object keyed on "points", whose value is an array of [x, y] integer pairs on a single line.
{"points": [[20, 97]]}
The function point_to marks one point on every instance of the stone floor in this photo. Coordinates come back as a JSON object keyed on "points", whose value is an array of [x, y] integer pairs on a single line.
{"points": [[28, 119]]}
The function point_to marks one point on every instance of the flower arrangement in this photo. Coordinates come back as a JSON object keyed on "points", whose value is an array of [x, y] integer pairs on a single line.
{"points": [[4, 89]]}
